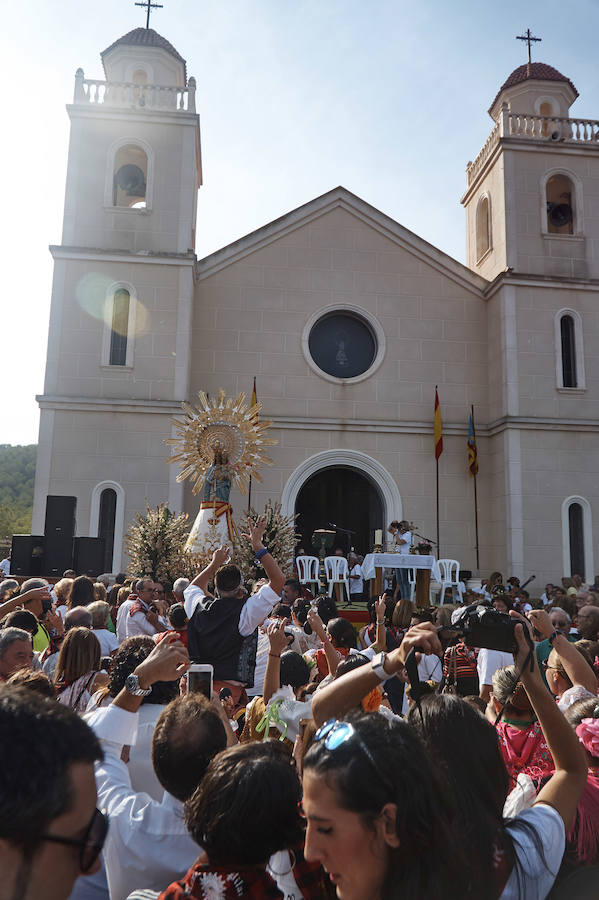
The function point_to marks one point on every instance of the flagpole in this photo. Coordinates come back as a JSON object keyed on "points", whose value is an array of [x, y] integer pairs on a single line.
{"points": [[475, 493], [438, 443], [254, 400], [438, 547]]}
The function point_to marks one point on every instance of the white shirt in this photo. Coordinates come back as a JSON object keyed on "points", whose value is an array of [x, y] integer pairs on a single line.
{"points": [[147, 844], [537, 876], [121, 619], [406, 536], [488, 663], [254, 611], [261, 660], [137, 623], [108, 641], [5, 566], [356, 585], [141, 770]]}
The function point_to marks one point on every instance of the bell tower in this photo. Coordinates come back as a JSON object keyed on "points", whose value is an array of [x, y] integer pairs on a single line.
{"points": [[122, 299], [529, 187]]}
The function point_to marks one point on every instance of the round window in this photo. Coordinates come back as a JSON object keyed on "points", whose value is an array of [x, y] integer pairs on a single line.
{"points": [[342, 345]]}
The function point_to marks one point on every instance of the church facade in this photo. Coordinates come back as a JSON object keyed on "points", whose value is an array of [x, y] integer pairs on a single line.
{"points": [[347, 320]]}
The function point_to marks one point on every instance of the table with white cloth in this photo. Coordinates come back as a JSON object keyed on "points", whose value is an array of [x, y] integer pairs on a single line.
{"points": [[374, 563]]}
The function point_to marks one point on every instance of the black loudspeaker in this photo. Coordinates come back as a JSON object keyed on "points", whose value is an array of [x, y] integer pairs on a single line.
{"points": [[27, 554], [88, 556], [59, 533]]}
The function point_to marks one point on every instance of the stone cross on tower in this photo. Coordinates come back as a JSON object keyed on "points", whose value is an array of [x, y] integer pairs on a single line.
{"points": [[519, 37], [151, 6]]}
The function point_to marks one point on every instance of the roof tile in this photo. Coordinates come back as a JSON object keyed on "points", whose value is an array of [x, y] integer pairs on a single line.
{"points": [[536, 71]]}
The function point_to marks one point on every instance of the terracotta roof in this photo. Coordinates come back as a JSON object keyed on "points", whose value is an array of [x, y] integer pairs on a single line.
{"points": [[146, 37], [536, 71]]}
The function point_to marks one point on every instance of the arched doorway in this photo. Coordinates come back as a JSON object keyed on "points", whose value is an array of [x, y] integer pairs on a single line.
{"points": [[342, 496]]}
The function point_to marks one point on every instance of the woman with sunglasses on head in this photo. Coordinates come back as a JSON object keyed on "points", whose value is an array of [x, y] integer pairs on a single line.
{"points": [[378, 816], [507, 859]]}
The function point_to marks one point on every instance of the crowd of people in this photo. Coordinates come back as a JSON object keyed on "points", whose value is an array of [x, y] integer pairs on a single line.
{"points": [[312, 758]]}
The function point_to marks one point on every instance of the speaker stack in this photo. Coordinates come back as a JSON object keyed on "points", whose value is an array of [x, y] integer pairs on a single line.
{"points": [[88, 556], [27, 554], [59, 533]]}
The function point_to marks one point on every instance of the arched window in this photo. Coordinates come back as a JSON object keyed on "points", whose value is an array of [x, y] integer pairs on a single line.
{"points": [[107, 520], [569, 359], [106, 525], [119, 330], [568, 351], [559, 198], [577, 537], [119, 326], [483, 227], [130, 176]]}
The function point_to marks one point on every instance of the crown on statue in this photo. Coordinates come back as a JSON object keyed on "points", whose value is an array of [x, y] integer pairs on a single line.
{"points": [[217, 429]]}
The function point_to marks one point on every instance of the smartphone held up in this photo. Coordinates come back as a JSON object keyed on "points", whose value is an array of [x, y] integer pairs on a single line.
{"points": [[199, 679]]}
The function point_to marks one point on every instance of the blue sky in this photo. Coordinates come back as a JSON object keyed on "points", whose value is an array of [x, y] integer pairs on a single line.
{"points": [[386, 98]]}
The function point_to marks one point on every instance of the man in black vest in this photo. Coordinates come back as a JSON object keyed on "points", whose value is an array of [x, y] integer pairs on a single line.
{"points": [[223, 630]]}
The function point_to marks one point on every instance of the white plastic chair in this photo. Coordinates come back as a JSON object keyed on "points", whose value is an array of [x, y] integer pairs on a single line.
{"points": [[448, 573], [337, 572], [307, 569]]}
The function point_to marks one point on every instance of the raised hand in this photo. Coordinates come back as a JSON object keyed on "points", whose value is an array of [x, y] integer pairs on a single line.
{"points": [[221, 555], [316, 624], [279, 641], [381, 609], [541, 622], [255, 532], [167, 662]]}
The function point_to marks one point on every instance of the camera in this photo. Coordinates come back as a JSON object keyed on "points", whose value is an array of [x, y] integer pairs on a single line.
{"points": [[482, 626]]}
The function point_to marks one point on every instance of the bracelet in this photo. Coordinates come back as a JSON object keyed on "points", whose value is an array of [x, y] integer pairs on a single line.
{"points": [[260, 553], [275, 655], [380, 623], [553, 635]]}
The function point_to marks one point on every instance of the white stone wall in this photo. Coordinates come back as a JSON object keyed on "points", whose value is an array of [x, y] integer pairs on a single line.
{"points": [[90, 220]]}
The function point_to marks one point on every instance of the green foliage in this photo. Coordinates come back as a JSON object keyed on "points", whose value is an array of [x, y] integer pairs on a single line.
{"points": [[156, 545], [17, 475]]}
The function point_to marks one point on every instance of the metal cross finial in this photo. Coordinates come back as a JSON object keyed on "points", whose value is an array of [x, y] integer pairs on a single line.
{"points": [[149, 6], [529, 40]]}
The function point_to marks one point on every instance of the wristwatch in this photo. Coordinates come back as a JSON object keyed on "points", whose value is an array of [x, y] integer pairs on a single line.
{"points": [[132, 686], [378, 666], [553, 635], [260, 553]]}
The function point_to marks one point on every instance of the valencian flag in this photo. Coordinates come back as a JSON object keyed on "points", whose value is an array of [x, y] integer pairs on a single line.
{"points": [[438, 428], [472, 451]]}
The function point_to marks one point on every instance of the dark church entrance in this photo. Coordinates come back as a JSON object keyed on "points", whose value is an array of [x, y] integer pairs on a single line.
{"points": [[345, 498]]}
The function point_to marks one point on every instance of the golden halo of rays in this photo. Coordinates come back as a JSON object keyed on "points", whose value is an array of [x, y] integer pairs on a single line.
{"points": [[223, 423]]}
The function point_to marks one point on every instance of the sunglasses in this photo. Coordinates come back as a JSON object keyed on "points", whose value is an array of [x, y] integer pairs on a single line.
{"points": [[335, 733], [90, 845]]}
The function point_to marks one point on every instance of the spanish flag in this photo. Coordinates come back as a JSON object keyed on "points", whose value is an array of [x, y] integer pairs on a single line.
{"points": [[438, 428], [472, 450]]}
